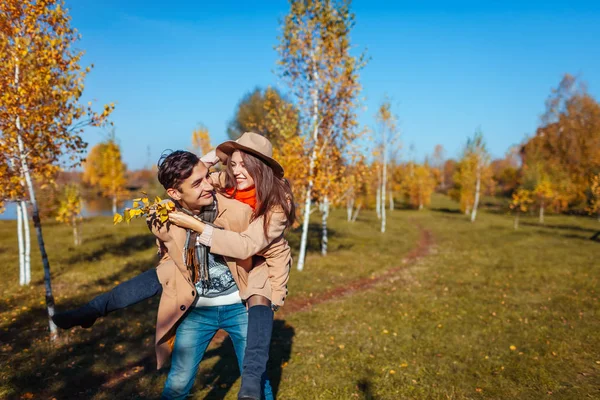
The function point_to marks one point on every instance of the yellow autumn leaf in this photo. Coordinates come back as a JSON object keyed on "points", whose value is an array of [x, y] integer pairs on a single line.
{"points": [[117, 218]]}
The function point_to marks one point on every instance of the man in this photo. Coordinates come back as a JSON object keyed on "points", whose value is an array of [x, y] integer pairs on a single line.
{"points": [[204, 290]]}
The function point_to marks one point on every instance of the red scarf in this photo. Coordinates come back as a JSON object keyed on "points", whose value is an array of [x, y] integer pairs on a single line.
{"points": [[246, 196]]}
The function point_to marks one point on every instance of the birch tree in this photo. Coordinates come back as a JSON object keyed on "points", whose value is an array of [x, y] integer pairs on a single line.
{"points": [[41, 82], [521, 200], [315, 61], [480, 158], [69, 211], [473, 176], [12, 189], [387, 128]]}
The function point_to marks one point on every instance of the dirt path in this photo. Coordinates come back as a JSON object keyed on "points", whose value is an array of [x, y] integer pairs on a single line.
{"points": [[298, 305], [359, 285]]}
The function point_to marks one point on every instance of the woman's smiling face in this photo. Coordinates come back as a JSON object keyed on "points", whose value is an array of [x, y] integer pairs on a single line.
{"points": [[243, 179]]}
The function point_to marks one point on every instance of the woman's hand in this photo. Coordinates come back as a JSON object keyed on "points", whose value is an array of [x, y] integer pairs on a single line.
{"points": [[184, 220]]}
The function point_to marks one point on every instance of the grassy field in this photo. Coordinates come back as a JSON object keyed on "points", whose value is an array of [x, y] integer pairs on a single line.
{"points": [[482, 312]]}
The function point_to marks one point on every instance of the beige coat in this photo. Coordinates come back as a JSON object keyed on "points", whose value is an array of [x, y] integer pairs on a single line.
{"points": [[252, 241], [179, 293]]}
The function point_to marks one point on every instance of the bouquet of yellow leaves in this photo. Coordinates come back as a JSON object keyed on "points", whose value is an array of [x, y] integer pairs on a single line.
{"points": [[142, 207]]}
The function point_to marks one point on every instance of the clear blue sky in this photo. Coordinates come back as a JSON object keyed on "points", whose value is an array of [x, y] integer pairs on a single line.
{"points": [[449, 69]]}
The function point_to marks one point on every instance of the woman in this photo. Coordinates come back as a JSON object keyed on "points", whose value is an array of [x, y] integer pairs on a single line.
{"points": [[255, 178], [252, 176]]}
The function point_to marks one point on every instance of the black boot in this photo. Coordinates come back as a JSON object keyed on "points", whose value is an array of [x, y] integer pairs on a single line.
{"points": [[84, 316], [260, 327]]}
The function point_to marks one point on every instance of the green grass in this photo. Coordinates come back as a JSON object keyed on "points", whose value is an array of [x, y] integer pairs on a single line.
{"points": [[442, 328]]}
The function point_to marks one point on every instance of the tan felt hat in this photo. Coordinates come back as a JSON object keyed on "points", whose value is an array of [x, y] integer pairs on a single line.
{"points": [[254, 144]]}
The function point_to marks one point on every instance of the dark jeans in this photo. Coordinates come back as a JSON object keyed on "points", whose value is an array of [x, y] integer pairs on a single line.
{"points": [[139, 288]]}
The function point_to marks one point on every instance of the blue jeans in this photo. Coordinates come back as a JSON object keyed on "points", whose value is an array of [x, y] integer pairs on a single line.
{"points": [[194, 334], [136, 289]]}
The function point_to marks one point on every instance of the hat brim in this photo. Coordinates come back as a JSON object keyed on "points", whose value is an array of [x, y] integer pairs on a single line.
{"points": [[226, 149]]}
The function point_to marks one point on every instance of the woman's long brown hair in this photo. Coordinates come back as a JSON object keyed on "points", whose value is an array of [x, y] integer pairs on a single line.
{"points": [[271, 192]]}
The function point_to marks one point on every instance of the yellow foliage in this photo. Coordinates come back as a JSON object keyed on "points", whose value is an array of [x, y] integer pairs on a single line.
{"points": [[104, 169], [69, 211], [595, 195], [419, 186], [201, 140], [161, 208], [521, 200]]}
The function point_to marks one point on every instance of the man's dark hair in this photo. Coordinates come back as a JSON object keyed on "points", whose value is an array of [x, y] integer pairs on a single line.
{"points": [[175, 167]]}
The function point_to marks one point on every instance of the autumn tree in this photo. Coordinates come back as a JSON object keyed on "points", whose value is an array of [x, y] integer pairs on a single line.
{"points": [[544, 193], [479, 159], [266, 112], [566, 147], [69, 211], [356, 189], [594, 202], [387, 128], [104, 169], [315, 61], [507, 172], [201, 140], [437, 164], [473, 175], [12, 189], [419, 186], [521, 200], [41, 83]]}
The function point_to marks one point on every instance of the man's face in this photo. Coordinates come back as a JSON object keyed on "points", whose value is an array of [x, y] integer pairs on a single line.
{"points": [[196, 191]]}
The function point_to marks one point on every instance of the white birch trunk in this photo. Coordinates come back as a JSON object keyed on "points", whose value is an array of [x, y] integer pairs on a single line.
{"points": [[324, 217], [542, 212], [516, 224], [36, 218], [384, 180], [392, 205], [349, 208], [477, 190], [378, 201], [356, 212], [311, 168], [20, 228], [114, 204], [27, 243]]}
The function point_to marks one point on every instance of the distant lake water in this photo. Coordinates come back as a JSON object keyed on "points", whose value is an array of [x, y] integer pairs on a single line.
{"points": [[90, 208]]}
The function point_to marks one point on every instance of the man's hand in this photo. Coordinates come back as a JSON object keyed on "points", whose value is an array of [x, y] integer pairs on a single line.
{"points": [[184, 220]]}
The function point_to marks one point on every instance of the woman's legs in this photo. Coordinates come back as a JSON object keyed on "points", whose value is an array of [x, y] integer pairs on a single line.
{"points": [[141, 287], [260, 327], [235, 323]]}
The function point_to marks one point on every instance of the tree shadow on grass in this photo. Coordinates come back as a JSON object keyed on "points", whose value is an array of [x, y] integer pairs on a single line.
{"points": [[580, 236], [446, 210], [81, 363], [568, 227], [314, 238], [222, 376], [126, 247]]}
